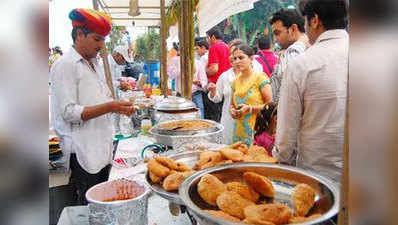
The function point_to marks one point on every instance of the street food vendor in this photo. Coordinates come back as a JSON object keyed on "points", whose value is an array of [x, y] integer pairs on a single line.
{"points": [[82, 103]]}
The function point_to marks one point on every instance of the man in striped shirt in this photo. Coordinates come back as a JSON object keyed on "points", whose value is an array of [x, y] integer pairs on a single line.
{"points": [[289, 34]]}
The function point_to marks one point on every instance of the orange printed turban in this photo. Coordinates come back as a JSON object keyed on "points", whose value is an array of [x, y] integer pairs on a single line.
{"points": [[95, 21]]}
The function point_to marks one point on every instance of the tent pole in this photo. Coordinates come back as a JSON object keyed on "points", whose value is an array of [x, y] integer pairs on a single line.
{"points": [[163, 49], [104, 56]]}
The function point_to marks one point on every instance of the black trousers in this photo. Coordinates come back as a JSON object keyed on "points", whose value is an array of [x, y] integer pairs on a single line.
{"points": [[81, 180], [212, 110]]}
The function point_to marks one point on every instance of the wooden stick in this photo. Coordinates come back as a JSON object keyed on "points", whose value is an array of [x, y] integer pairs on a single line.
{"points": [[186, 34], [107, 70], [163, 50], [108, 75]]}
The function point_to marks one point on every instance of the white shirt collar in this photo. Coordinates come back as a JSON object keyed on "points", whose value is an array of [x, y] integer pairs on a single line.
{"points": [[332, 34], [76, 57]]}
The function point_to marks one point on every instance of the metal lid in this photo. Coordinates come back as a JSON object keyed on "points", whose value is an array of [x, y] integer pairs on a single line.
{"points": [[175, 103]]}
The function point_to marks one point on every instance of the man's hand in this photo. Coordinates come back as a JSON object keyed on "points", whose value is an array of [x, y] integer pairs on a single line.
{"points": [[196, 82], [124, 85], [212, 88], [122, 107], [212, 69]]}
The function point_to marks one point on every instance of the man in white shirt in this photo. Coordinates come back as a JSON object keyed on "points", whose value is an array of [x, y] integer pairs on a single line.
{"points": [[202, 49], [312, 106], [289, 33], [82, 103]]}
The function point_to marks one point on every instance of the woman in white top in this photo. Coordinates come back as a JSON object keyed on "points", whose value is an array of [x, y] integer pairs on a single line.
{"points": [[223, 90]]}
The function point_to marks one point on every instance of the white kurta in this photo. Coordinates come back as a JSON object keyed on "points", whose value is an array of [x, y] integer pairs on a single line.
{"points": [[224, 90], [312, 106], [74, 86]]}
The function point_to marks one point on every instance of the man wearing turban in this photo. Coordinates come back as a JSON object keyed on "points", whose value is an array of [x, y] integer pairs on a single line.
{"points": [[82, 105]]}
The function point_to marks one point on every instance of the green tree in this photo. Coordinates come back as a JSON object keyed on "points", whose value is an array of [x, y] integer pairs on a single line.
{"points": [[115, 38], [147, 46], [247, 24]]}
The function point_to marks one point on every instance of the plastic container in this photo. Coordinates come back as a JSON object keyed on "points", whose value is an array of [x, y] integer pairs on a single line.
{"points": [[146, 125]]}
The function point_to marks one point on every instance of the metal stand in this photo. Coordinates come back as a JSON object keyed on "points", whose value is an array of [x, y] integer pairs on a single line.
{"points": [[191, 218]]}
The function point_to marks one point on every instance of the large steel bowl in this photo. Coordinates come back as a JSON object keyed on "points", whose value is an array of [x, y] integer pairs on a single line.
{"points": [[284, 179], [213, 135]]}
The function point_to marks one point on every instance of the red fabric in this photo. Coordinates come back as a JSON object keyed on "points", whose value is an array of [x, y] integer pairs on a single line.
{"points": [[95, 21], [271, 58], [218, 53], [266, 141]]}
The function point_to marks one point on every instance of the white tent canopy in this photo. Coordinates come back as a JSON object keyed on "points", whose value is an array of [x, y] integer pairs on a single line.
{"points": [[118, 10], [210, 12]]}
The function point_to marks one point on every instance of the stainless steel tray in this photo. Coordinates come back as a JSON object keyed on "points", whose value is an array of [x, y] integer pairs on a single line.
{"points": [[284, 179], [157, 129], [189, 158]]}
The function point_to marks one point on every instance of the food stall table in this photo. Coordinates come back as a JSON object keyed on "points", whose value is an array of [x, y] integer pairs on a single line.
{"points": [[157, 215]]}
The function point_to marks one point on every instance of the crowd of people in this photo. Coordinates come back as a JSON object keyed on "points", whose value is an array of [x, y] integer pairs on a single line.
{"points": [[292, 103]]}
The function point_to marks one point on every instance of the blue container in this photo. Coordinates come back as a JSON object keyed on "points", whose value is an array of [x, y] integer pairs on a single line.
{"points": [[150, 68]]}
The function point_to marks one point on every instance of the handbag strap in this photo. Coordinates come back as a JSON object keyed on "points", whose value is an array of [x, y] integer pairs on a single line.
{"points": [[266, 62]]}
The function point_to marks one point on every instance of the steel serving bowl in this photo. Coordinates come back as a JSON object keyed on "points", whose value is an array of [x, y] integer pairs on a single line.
{"points": [[176, 141], [284, 179], [189, 158]]}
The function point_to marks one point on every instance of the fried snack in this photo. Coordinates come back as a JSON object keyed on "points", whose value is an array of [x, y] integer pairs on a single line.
{"points": [[260, 184], [243, 148], [208, 159], [186, 125], [222, 215], [188, 173], [257, 222], [259, 158], [224, 162], [155, 179], [239, 146], [173, 181], [209, 188], [243, 190], [275, 213], [303, 198], [232, 203], [167, 162], [236, 145], [255, 150], [182, 167], [300, 219], [232, 154], [158, 169]]}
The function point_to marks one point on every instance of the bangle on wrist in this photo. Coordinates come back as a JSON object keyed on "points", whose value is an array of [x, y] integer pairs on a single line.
{"points": [[250, 109]]}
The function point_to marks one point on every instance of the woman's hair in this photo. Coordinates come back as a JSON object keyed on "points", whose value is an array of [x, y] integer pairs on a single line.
{"points": [[245, 49], [264, 118], [235, 42]]}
